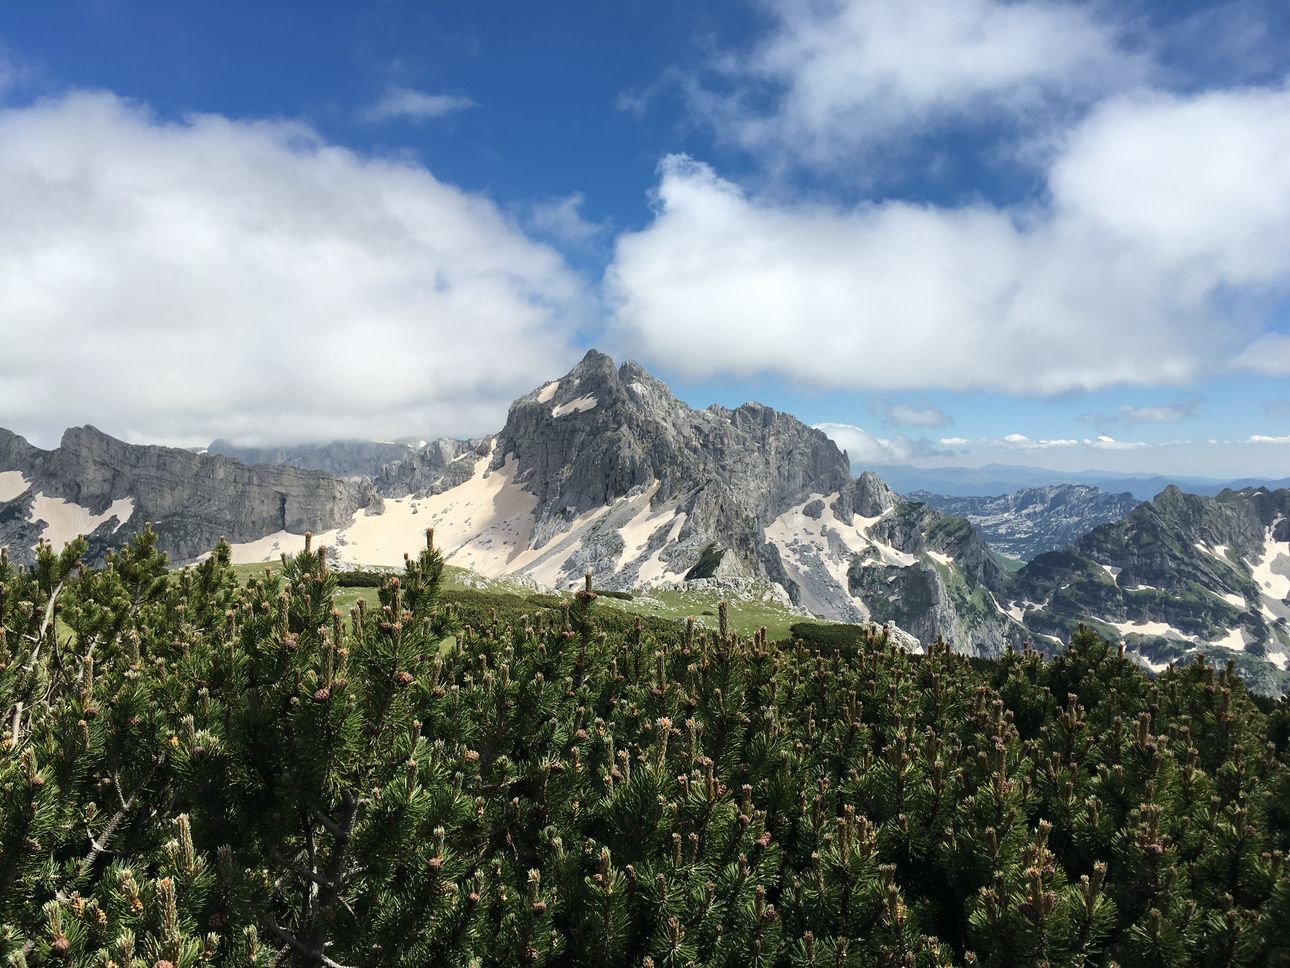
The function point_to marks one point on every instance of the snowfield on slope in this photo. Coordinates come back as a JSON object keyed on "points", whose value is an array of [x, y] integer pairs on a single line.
{"points": [[485, 524], [12, 483], [65, 521]]}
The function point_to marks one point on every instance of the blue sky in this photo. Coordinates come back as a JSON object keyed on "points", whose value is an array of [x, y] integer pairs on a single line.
{"points": [[954, 232]]}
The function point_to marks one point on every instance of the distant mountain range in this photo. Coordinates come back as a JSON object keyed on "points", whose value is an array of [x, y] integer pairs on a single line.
{"points": [[994, 479], [605, 470], [1033, 520]]}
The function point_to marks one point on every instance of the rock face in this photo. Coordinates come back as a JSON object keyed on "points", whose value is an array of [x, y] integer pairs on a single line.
{"points": [[340, 458], [606, 470], [1033, 520], [108, 489], [431, 469], [1177, 575]]}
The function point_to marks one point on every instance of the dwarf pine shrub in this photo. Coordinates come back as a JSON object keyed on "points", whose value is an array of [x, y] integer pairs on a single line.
{"points": [[196, 771]]}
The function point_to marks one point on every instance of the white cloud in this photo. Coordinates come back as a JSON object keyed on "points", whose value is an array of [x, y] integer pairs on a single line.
{"points": [[413, 105], [179, 281], [1265, 439], [865, 448], [1121, 278], [1198, 184], [1104, 442], [1101, 442], [954, 441], [562, 220], [844, 77]]}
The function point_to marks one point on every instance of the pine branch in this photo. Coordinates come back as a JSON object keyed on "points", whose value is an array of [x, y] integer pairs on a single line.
{"points": [[316, 956]]}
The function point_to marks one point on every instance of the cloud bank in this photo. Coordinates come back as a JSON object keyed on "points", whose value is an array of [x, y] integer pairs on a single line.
{"points": [[252, 281], [1155, 256]]}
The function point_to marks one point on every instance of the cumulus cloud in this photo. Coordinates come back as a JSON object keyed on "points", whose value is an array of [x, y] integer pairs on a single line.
{"points": [[904, 415], [185, 280], [865, 448], [408, 104], [847, 77], [1267, 439], [1164, 238]]}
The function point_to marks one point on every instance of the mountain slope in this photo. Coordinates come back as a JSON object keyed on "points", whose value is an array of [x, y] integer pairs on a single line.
{"points": [[604, 470], [1178, 574], [106, 489], [1032, 520]]}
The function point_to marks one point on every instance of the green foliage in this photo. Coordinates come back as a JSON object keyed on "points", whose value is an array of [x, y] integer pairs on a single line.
{"points": [[358, 578], [199, 771]]}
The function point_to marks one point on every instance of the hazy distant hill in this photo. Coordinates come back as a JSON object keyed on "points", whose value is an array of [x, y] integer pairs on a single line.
{"points": [[995, 479]]}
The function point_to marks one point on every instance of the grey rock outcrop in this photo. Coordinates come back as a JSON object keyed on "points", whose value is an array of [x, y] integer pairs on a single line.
{"points": [[433, 469], [191, 499], [755, 495]]}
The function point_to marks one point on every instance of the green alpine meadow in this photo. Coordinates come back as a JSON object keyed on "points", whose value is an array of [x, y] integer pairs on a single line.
{"points": [[201, 771]]}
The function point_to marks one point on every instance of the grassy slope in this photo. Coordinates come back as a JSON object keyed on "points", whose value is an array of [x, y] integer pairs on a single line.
{"points": [[745, 616]]}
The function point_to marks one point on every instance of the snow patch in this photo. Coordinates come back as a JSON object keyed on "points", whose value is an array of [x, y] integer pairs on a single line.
{"points": [[65, 521], [575, 406], [12, 483], [1156, 667], [1159, 629], [638, 531], [548, 391], [941, 559], [1218, 551], [655, 570], [1236, 639], [1111, 570], [1278, 659], [484, 524], [817, 552], [1272, 574]]}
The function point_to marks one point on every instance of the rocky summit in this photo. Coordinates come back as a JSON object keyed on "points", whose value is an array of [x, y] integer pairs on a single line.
{"points": [[605, 470]]}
